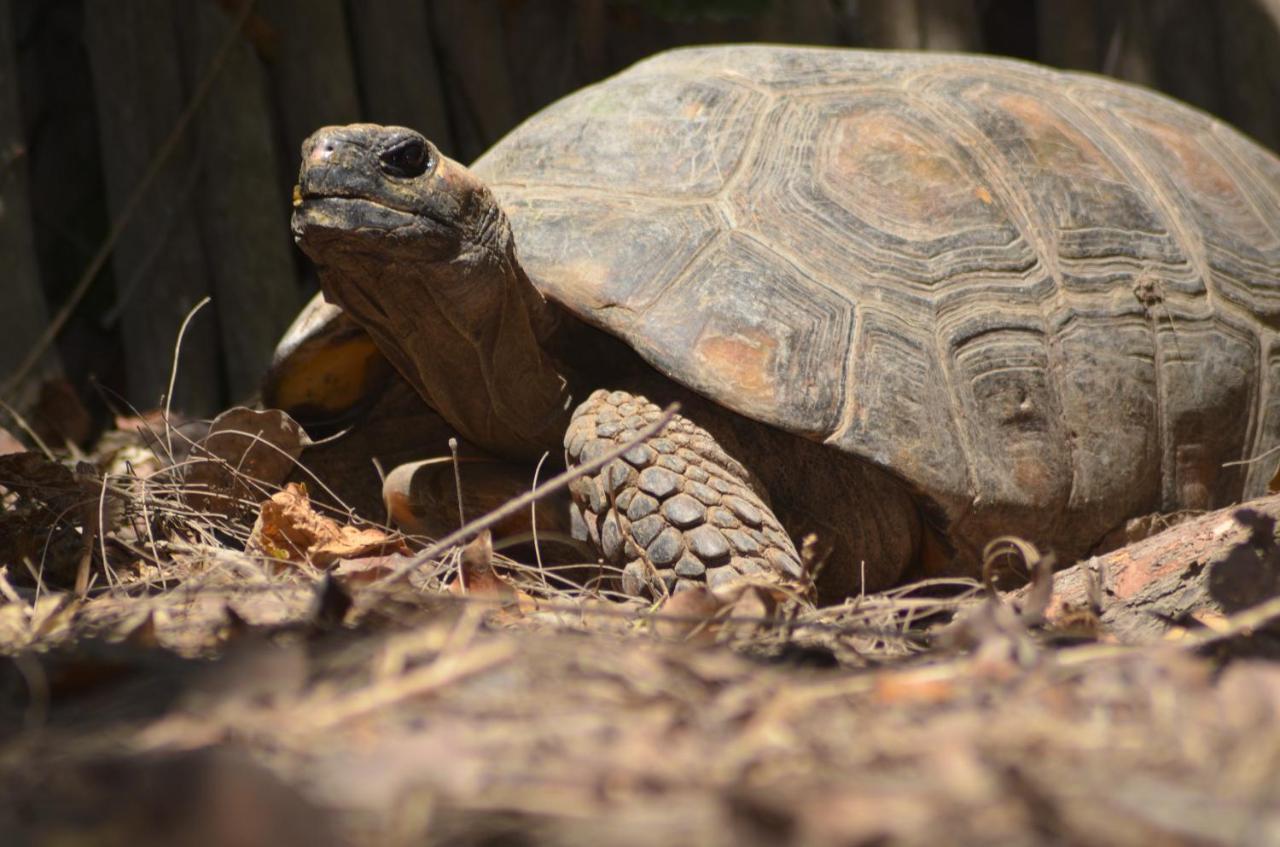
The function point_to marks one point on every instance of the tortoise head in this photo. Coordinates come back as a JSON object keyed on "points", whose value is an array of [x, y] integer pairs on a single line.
{"points": [[385, 190], [414, 248]]}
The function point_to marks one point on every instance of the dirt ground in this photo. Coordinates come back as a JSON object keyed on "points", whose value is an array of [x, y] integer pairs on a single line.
{"points": [[255, 675]]}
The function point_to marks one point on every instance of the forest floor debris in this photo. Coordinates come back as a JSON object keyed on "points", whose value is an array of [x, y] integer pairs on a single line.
{"points": [[207, 687]]}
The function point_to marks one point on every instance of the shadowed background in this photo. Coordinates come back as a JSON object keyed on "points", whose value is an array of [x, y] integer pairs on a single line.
{"points": [[160, 138]]}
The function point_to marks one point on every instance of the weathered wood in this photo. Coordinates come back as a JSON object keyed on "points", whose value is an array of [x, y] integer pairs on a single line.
{"points": [[1127, 45], [477, 81], [312, 74], [24, 314], [950, 25], [540, 52], [1188, 53], [159, 261], [1068, 34], [828, 24], [1212, 565], [1249, 46], [591, 28], [920, 24], [243, 213], [399, 69]]}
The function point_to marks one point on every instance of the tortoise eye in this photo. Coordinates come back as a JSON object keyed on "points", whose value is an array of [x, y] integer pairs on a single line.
{"points": [[409, 158]]}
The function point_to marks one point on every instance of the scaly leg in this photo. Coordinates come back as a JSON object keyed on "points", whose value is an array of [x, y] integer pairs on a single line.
{"points": [[677, 510]]}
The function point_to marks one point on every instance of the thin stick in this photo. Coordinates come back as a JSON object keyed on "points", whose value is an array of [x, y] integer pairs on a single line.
{"points": [[173, 372], [533, 521], [131, 204], [457, 479], [513, 506]]}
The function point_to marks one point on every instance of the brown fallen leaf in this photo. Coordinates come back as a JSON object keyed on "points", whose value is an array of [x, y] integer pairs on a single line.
{"points": [[289, 529], [477, 577], [691, 615], [362, 570], [245, 451], [59, 417]]}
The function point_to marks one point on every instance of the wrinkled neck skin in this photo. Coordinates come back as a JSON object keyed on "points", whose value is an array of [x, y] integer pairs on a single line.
{"points": [[468, 333]]}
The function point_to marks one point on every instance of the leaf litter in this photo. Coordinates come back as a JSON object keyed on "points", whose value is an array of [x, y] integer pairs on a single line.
{"points": [[282, 673]]}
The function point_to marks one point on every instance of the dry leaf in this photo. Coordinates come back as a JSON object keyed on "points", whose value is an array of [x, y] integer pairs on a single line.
{"points": [[477, 577], [365, 569], [59, 417], [691, 615], [244, 451], [290, 529]]}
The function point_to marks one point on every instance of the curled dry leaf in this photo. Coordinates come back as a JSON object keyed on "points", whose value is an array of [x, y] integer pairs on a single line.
{"points": [[59, 417], [289, 529], [245, 450], [478, 578], [691, 615]]}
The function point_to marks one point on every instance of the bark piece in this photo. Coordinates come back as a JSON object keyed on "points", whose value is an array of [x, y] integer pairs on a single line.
{"points": [[1214, 564]]}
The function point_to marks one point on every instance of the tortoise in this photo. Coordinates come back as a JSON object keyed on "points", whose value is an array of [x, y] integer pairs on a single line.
{"points": [[909, 302]]}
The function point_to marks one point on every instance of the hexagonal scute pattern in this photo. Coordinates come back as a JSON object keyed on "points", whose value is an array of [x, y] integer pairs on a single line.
{"points": [[1030, 295], [677, 509]]}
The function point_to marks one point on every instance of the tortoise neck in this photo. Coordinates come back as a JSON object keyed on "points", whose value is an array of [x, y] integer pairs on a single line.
{"points": [[472, 335]]}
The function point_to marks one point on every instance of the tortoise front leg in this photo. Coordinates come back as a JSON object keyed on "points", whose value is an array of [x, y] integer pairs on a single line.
{"points": [[677, 509]]}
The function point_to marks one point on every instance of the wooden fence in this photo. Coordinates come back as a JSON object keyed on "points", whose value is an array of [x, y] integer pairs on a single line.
{"points": [[147, 147]]}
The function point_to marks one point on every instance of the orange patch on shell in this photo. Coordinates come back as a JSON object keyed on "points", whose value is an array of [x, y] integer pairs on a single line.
{"points": [[742, 361]]}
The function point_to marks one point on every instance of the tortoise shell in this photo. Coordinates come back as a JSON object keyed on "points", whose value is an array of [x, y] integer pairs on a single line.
{"points": [[1015, 288]]}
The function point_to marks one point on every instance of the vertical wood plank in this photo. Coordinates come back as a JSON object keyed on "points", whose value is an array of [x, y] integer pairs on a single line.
{"points": [[477, 81], [827, 24], [1250, 51], [541, 44], [398, 68], [312, 75], [1068, 34], [24, 315], [244, 215], [949, 25], [159, 261], [1186, 47], [1127, 45], [890, 23]]}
